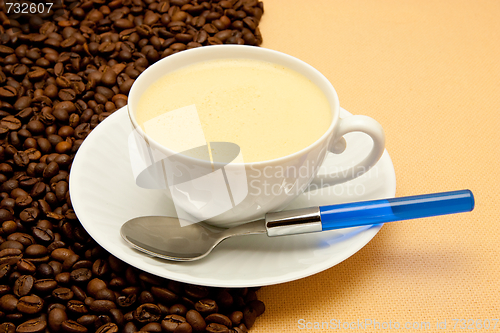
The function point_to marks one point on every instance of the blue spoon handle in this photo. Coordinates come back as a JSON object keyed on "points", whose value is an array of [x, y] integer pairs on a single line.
{"points": [[368, 212], [396, 209]]}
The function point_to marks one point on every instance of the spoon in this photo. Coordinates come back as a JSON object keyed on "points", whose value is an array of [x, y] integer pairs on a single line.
{"points": [[164, 237]]}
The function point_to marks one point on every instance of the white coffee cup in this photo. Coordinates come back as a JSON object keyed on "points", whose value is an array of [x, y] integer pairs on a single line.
{"points": [[231, 192]]}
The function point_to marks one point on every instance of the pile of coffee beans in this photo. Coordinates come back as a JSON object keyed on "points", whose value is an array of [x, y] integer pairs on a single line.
{"points": [[62, 72]]}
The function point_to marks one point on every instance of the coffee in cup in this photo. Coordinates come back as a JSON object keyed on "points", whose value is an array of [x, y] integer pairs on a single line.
{"points": [[268, 110]]}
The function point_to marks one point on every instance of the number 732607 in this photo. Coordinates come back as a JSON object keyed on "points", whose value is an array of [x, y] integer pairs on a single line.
{"points": [[27, 8]]}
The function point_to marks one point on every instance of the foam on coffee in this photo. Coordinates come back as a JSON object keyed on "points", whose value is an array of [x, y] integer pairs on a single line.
{"points": [[269, 110]]}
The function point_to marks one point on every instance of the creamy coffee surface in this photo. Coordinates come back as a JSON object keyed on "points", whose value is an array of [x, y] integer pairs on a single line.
{"points": [[270, 111]]}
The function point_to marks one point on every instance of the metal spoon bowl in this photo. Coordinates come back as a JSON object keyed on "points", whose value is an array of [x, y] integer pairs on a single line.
{"points": [[164, 237]]}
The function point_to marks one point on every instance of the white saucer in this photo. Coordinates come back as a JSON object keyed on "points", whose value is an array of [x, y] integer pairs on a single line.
{"points": [[104, 196]]}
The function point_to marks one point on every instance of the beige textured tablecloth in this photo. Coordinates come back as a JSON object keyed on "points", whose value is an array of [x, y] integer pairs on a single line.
{"points": [[429, 72]]}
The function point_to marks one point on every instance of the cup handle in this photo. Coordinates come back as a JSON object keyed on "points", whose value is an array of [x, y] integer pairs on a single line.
{"points": [[346, 125]]}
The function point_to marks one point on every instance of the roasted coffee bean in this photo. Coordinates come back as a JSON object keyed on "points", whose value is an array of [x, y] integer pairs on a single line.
{"points": [[236, 317], [8, 303], [42, 235], [224, 299], [55, 245], [21, 159], [129, 327], [81, 275], [29, 214], [116, 264], [101, 320], [33, 155], [87, 320], [22, 238], [206, 306], [82, 130], [51, 170], [249, 316], [146, 297], [117, 283], [67, 94], [11, 122], [4, 270], [94, 286], [170, 322], [109, 328], [106, 294], [258, 306], [117, 316], [35, 127], [61, 115], [55, 319], [147, 313], [126, 301], [32, 326], [79, 293], [109, 77], [184, 328], [100, 267], [7, 328], [36, 250], [126, 85], [195, 291], [44, 286], [30, 304], [219, 319], [17, 192], [123, 24], [61, 254], [23, 285], [5, 215], [10, 256], [10, 184], [71, 260], [77, 307], [71, 326], [62, 294], [195, 319], [216, 328], [25, 267], [102, 306], [11, 244], [178, 309], [4, 50], [63, 278], [4, 289], [164, 295]]}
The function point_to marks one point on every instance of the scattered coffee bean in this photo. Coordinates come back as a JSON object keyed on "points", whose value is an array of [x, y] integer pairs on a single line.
{"points": [[196, 320], [30, 304], [102, 306], [7, 328], [32, 326], [170, 322], [219, 318], [206, 307], [147, 313], [23, 285], [112, 328], [71, 326]]}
